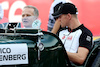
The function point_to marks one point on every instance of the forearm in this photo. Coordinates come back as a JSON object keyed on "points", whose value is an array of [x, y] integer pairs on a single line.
{"points": [[75, 58], [56, 26], [78, 57]]}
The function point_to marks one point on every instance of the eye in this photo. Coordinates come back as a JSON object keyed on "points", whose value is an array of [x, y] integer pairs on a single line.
{"points": [[23, 15], [26, 15]]}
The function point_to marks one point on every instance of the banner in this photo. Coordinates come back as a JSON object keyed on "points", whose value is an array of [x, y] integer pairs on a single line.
{"points": [[13, 54]]}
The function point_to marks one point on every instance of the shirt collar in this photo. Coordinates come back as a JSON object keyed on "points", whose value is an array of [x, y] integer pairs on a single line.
{"points": [[69, 29]]}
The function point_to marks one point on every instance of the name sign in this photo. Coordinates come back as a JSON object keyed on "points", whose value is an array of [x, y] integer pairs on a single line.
{"points": [[13, 54]]}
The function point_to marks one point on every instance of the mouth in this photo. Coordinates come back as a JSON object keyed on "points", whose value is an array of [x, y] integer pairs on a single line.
{"points": [[25, 21]]}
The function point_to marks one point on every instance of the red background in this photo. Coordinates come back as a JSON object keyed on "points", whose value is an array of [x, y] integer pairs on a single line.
{"points": [[88, 12]]}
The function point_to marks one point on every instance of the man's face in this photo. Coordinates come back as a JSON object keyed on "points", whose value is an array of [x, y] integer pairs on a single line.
{"points": [[27, 17], [64, 20]]}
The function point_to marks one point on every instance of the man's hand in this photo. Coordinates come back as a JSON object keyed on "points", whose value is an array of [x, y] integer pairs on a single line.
{"points": [[56, 26]]}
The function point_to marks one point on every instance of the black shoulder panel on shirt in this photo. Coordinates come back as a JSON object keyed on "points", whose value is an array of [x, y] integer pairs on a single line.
{"points": [[86, 38]]}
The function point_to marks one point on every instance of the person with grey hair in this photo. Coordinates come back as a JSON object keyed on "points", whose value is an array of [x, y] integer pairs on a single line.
{"points": [[29, 15]]}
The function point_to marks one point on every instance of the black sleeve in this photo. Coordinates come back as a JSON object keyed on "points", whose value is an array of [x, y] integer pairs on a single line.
{"points": [[86, 40]]}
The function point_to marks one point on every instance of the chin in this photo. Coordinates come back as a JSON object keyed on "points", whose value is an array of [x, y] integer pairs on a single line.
{"points": [[63, 26]]}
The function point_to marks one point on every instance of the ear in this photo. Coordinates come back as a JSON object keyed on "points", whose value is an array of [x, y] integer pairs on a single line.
{"points": [[69, 16]]}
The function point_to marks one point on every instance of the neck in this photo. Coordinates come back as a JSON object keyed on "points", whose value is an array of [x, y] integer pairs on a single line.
{"points": [[74, 24]]}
